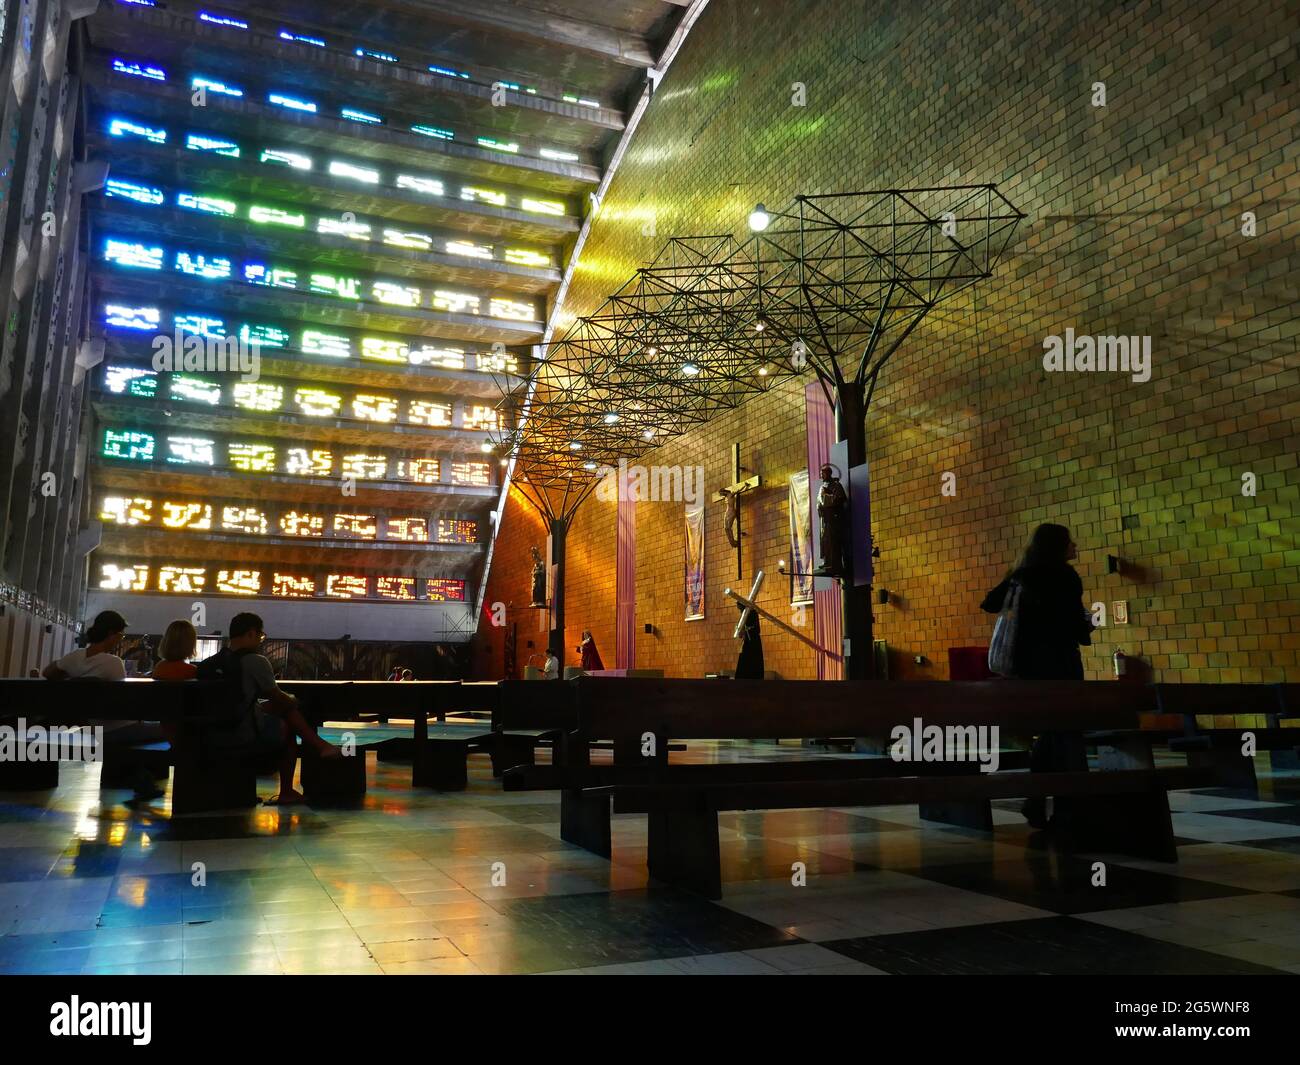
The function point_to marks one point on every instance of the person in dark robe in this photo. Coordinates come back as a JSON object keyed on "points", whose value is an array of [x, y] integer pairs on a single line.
{"points": [[589, 655], [749, 666], [1053, 625]]}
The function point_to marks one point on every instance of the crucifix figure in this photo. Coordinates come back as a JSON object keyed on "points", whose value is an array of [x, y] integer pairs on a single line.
{"points": [[731, 496]]}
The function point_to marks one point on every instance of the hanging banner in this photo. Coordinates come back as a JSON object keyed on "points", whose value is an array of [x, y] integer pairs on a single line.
{"points": [[801, 545], [695, 563]]}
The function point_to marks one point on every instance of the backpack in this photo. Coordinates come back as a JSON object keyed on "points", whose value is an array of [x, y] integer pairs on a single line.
{"points": [[1002, 648], [233, 717]]}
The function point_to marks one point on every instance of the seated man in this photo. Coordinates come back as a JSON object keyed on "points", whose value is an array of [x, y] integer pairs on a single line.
{"points": [[98, 661], [273, 717]]}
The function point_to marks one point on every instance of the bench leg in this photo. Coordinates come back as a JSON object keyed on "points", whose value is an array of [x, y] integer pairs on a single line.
{"points": [[1284, 761], [1232, 769], [326, 781], [1137, 824], [510, 751], [683, 850], [200, 787], [442, 766], [584, 821], [975, 813]]}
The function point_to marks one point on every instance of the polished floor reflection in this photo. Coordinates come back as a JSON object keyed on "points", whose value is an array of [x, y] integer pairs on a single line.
{"points": [[480, 882]]}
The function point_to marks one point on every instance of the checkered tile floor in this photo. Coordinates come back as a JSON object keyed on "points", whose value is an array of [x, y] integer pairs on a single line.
{"points": [[404, 884]]}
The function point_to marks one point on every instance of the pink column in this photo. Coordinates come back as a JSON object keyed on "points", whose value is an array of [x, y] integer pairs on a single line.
{"points": [[625, 586], [827, 623]]}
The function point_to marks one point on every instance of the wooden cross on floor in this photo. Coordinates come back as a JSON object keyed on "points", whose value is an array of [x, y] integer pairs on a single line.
{"points": [[731, 495]]}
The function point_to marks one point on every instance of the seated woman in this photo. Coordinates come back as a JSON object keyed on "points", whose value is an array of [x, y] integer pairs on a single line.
{"points": [[175, 651]]}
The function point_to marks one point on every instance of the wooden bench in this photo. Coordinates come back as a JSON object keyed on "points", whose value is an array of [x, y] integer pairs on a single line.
{"points": [[1124, 811], [1215, 718]]}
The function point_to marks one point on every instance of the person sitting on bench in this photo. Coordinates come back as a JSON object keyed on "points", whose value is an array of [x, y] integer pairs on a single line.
{"points": [[275, 717], [98, 661], [175, 651]]}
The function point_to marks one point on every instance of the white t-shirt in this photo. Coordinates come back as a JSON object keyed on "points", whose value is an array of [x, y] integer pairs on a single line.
{"points": [[80, 666], [551, 668]]}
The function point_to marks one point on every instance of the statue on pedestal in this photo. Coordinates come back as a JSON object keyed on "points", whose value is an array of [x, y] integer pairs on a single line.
{"points": [[833, 514], [539, 579]]}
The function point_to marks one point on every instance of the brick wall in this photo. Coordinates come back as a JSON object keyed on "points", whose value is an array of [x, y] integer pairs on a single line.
{"points": [[1134, 227]]}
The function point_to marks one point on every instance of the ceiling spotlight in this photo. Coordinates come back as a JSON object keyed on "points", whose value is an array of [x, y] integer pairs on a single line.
{"points": [[690, 369], [762, 371], [652, 351], [588, 465], [485, 447], [574, 445], [611, 418], [759, 218], [649, 434], [505, 461], [760, 325]]}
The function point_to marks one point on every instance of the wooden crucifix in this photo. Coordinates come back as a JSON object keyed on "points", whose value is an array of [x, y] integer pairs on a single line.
{"points": [[731, 496]]}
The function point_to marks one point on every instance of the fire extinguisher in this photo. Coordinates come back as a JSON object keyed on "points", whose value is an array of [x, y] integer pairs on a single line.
{"points": [[1121, 663]]}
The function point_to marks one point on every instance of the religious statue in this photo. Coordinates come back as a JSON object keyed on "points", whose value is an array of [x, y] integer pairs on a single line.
{"points": [[833, 515], [733, 515], [589, 656], [539, 579]]}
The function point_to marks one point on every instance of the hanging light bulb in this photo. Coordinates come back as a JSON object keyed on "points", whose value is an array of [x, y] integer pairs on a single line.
{"points": [[759, 218]]}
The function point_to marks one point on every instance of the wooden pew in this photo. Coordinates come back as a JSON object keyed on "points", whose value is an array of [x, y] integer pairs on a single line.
{"points": [[1216, 716], [628, 709]]}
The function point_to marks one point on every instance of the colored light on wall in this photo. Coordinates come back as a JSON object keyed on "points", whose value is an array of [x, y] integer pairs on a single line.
{"points": [[347, 288], [265, 336], [129, 190], [420, 471], [552, 207], [239, 581], [411, 530], [275, 216], [399, 238], [457, 531], [383, 57], [338, 227], [285, 158], [145, 318], [213, 85], [128, 444], [290, 587], [560, 157], [515, 310], [223, 20], [374, 408], [194, 390], [447, 358], [185, 579], [338, 168], [430, 413], [126, 510], [201, 142], [261, 274], [447, 72], [480, 417], [295, 524], [354, 115], [317, 403], [365, 467], [313, 462], [315, 342], [212, 268], [194, 516], [206, 204], [123, 578], [471, 473], [345, 586], [379, 350], [291, 102], [247, 520], [200, 325], [496, 145], [455, 302], [257, 395], [401, 588], [434, 131], [129, 380], [299, 38], [396, 295], [468, 248], [359, 525], [429, 186], [496, 362], [444, 590], [121, 127], [191, 451], [133, 254], [523, 257], [251, 458], [474, 194]]}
